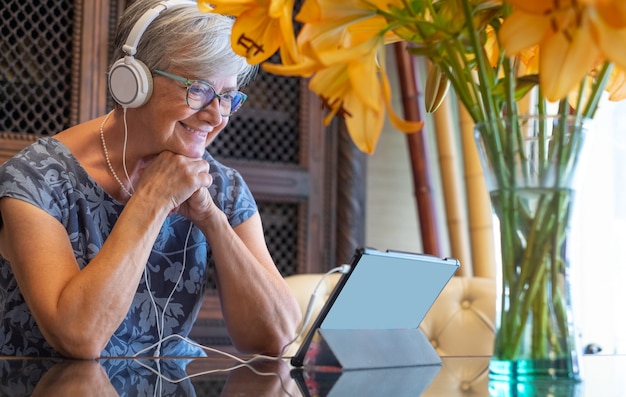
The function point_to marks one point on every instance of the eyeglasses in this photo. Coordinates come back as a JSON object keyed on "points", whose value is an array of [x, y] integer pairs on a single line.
{"points": [[200, 94]]}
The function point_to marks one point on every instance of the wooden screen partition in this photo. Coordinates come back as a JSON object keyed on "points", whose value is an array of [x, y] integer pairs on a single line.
{"points": [[12, 142]]}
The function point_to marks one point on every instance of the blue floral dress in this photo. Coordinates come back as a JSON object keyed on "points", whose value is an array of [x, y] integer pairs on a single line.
{"points": [[47, 175]]}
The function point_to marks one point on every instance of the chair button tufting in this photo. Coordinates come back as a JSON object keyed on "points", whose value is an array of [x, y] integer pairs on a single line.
{"points": [[434, 343], [466, 304]]}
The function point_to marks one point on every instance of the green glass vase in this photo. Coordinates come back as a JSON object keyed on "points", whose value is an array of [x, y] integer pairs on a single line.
{"points": [[531, 165]]}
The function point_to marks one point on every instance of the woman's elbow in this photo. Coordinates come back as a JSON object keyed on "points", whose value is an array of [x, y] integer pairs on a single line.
{"points": [[83, 347], [270, 345], [272, 340]]}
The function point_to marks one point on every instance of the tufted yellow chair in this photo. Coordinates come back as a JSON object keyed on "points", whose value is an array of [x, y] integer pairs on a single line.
{"points": [[460, 323]]}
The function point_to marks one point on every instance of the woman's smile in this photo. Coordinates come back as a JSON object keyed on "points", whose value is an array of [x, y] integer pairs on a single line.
{"points": [[195, 132]]}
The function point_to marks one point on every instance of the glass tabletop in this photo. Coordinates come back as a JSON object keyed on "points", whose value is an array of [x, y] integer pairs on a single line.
{"points": [[223, 376]]}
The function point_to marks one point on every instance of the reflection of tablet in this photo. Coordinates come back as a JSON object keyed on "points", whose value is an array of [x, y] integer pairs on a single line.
{"points": [[378, 382], [382, 290], [315, 383]]}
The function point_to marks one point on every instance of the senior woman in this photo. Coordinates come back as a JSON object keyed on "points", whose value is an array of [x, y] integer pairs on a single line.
{"points": [[107, 228]]}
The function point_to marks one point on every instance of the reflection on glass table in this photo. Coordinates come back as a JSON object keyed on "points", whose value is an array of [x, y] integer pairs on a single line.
{"points": [[224, 377]]}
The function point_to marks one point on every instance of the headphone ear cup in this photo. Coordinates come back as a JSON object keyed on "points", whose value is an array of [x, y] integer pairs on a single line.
{"points": [[130, 82]]}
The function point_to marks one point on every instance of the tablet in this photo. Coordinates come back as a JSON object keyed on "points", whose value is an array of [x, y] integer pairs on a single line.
{"points": [[382, 290]]}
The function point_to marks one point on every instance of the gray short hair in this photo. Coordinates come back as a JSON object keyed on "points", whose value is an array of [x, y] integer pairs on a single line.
{"points": [[184, 38]]}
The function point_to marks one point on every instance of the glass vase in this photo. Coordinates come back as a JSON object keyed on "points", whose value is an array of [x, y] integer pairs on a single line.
{"points": [[531, 165]]}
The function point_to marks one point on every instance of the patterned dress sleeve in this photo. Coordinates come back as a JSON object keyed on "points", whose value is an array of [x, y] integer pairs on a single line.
{"points": [[230, 192], [38, 177]]}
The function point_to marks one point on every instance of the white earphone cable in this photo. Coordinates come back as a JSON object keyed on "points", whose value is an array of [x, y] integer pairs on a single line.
{"points": [[307, 317], [161, 324], [309, 310], [132, 188]]}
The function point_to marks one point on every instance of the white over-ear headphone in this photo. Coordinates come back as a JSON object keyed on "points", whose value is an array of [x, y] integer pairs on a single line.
{"points": [[130, 80]]}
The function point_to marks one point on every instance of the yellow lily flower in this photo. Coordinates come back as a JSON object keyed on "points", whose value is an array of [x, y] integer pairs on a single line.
{"points": [[336, 86], [328, 31], [338, 45], [572, 35], [563, 34], [330, 27], [262, 27], [355, 86], [530, 59], [340, 86], [609, 28], [492, 49], [314, 11]]}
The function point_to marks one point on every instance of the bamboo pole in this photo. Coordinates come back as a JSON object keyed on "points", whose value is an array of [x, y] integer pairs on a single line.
{"points": [[479, 204], [453, 187], [417, 151]]}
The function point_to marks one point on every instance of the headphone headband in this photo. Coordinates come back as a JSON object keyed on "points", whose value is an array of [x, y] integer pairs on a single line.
{"points": [[146, 19]]}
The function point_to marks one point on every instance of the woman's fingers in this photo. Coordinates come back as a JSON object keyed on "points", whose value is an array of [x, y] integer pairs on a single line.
{"points": [[174, 178]]}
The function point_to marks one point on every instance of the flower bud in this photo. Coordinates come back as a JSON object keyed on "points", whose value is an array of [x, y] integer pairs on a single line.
{"points": [[437, 85]]}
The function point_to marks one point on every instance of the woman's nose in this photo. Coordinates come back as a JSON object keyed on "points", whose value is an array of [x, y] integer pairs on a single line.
{"points": [[211, 113]]}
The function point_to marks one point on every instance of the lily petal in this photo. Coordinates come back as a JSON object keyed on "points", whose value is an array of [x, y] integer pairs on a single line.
{"points": [[255, 36], [305, 67], [227, 7], [397, 121], [539, 7], [611, 41], [364, 130], [563, 63], [515, 34], [613, 13], [310, 12], [363, 74]]}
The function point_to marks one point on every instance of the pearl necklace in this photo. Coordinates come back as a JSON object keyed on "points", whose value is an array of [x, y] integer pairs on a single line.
{"points": [[106, 156]]}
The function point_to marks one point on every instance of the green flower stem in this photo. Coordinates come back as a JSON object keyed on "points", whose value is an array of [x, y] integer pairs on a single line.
{"points": [[599, 85], [538, 278], [485, 74], [458, 71], [526, 288], [540, 317], [533, 231]]}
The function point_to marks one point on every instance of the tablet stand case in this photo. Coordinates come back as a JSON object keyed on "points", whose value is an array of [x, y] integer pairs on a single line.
{"points": [[374, 348]]}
